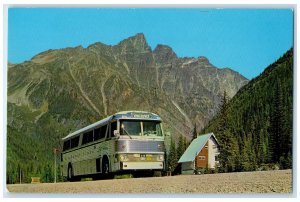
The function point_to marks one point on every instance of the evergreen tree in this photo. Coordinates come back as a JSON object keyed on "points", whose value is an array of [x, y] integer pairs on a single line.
{"points": [[227, 151], [180, 148], [47, 175], [277, 121], [58, 174], [195, 135], [185, 143], [172, 156]]}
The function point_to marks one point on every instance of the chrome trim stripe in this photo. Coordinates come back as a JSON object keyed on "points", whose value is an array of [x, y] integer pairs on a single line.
{"points": [[142, 165], [140, 146], [139, 152]]}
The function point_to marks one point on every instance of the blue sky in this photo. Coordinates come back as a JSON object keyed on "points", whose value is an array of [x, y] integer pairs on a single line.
{"points": [[245, 40]]}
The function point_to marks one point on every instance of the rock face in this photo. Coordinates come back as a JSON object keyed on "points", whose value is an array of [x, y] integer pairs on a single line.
{"points": [[59, 91]]}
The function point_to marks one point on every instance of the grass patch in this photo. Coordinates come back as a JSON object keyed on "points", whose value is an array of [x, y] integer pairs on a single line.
{"points": [[123, 176], [87, 179]]}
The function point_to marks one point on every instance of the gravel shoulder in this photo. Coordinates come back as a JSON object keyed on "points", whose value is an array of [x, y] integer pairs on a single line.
{"points": [[279, 181]]}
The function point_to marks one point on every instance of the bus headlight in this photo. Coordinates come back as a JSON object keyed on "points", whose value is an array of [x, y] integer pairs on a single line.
{"points": [[123, 157], [160, 157]]}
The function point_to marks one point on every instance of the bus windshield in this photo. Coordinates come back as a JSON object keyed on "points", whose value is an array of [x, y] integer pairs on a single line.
{"points": [[140, 128]]}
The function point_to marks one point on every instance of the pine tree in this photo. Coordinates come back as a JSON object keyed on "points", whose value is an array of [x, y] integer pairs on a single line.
{"points": [[226, 156], [195, 135], [172, 156], [260, 154], [277, 120], [180, 148], [185, 143], [47, 175]]}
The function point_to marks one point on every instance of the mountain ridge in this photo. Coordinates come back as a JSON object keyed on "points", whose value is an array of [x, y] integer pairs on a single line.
{"points": [[131, 40], [163, 56]]}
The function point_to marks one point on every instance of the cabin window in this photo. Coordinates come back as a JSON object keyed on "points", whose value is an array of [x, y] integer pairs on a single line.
{"points": [[201, 157], [74, 142], [87, 137], [99, 133], [67, 145]]}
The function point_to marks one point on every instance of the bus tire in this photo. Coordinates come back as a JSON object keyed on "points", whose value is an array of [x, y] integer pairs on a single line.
{"points": [[157, 173], [70, 175], [105, 165]]}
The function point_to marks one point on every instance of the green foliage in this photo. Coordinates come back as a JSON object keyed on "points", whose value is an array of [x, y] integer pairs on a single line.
{"points": [[228, 144], [172, 157], [185, 144], [180, 147], [176, 151], [195, 135], [47, 175], [41, 90], [255, 127], [30, 146]]}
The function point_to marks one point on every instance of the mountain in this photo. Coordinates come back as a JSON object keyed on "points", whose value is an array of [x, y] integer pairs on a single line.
{"points": [[256, 127], [59, 91]]}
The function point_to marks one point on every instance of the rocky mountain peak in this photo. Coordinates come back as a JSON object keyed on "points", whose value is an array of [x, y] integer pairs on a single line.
{"points": [[203, 59], [164, 49], [164, 53], [97, 45], [135, 43]]}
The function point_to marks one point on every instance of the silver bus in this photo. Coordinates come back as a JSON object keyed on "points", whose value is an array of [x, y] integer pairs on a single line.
{"points": [[125, 141]]}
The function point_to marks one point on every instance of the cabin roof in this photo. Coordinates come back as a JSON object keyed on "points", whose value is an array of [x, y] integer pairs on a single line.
{"points": [[195, 147]]}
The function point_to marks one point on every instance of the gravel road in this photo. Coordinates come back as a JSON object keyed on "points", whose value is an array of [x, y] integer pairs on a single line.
{"points": [[279, 181]]}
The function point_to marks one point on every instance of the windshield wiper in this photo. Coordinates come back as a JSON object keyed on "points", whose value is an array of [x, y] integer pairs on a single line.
{"points": [[127, 133]]}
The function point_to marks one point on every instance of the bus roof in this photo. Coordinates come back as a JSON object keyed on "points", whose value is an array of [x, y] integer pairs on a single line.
{"points": [[134, 115], [88, 127]]}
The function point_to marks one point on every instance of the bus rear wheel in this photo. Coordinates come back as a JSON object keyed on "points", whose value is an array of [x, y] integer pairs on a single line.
{"points": [[70, 173], [105, 166]]}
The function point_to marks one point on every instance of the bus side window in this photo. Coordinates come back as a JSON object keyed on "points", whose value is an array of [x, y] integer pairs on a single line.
{"points": [[87, 137], [74, 142], [99, 133], [67, 145], [113, 126]]}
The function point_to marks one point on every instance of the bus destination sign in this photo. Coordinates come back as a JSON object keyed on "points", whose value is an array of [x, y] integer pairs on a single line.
{"points": [[141, 116]]}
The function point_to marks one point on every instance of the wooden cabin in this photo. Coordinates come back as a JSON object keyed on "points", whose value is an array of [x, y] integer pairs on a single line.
{"points": [[202, 153]]}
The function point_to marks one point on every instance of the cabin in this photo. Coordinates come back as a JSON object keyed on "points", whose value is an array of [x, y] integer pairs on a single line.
{"points": [[202, 153]]}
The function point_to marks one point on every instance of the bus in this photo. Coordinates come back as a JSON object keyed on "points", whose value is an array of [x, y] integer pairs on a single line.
{"points": [[126, 141]]}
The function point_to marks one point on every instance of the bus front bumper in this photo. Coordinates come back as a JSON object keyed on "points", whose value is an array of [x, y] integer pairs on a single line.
{"points": [[142, 165]]}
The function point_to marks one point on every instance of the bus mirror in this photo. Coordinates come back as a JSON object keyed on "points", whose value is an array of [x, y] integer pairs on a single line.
{"points": [[168, 134], [116, 133]]}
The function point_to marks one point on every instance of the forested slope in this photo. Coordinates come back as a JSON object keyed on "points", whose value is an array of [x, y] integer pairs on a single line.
{"points": [[256, 126]]}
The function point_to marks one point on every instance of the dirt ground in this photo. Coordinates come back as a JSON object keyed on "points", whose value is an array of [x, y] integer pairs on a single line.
{"points": [[279, 181]]}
